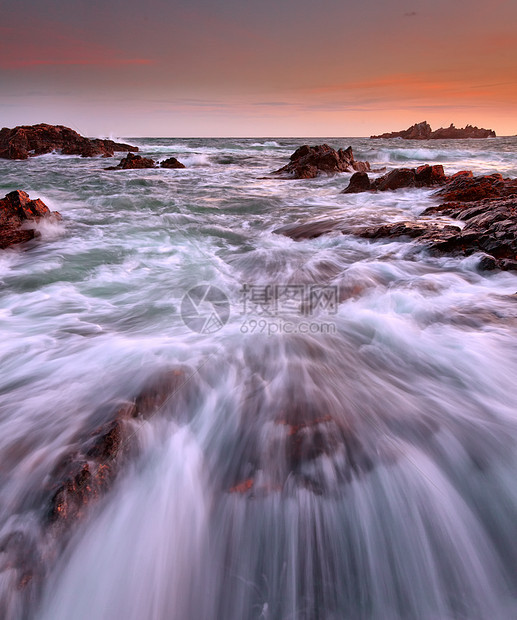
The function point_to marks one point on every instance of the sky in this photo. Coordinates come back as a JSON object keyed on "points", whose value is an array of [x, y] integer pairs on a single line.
{"points": [[178, 68]]}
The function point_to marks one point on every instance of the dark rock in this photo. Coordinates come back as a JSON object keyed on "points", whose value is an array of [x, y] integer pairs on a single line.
{"points": [[15, 209], [134, 162], [307, 161], [423, 176], [419, 131], [172, 162], [29, 140], [454, 133], [423, 131], [490, 228], [395, 179], [359, 182]]}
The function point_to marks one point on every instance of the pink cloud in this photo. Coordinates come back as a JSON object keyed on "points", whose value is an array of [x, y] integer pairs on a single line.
{"points": [[35, 49]]}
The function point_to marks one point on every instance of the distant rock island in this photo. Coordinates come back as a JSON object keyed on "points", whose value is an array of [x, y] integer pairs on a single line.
{"points": [[27, 141], [423, 131]]}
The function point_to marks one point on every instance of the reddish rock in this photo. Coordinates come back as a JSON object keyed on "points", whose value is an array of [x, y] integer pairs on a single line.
{"points": [[30, 140], [466, 188], [395, 179], [423, 131], [134, 162], [15, 209], [423, 176], [462, 173], [426, 176], [359, 182], [307, 161], [172, 162]]}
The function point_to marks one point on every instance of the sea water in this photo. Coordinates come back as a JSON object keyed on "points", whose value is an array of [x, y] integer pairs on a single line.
{"points": [[404, 361]]}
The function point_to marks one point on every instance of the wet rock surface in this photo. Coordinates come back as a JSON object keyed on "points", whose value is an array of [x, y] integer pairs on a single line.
{"points": [[86, 472], [16, 209], [308, 161], [487, 205], [137, 162], [134, 162], [172, 163], [423, 131], [423, 176], [27, 141]]}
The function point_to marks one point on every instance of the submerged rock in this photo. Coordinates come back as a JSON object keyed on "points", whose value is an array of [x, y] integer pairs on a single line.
{"points": [[16, 208], [423, 131], [307, 161], [30, 140]]}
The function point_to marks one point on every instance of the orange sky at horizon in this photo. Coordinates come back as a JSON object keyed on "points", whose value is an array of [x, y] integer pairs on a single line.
{"points": [[275, 69]]}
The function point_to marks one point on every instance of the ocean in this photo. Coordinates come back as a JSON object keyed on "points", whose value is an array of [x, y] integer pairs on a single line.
{"points": [[345, 442]]}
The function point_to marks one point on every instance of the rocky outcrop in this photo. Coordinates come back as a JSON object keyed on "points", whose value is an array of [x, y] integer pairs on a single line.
{"points": [[30, 140], [137, 162], [419, 131], [172, 162], [134, 162], [308, 161], [17, 209], [423, 176], [467, 188], [457, 133], [486, 204], [423, 131]]}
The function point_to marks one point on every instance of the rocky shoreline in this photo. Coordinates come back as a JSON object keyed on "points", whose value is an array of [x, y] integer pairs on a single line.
{"points": [[486, 204]]}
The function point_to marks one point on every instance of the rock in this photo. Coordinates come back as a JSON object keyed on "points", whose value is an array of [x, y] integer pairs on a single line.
{"points": [[466, 188], [423, 176], [359, 182], [134, 162], [15, 209], [423, 131], [395, 179], [307, 161], [454, 133], [490, 228], [419, 131], [309, 230], [30, 140], [172, 162], [426, 176]]}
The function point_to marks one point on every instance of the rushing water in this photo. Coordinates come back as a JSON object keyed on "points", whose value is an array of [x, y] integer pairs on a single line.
{"points": [[356, 461]]}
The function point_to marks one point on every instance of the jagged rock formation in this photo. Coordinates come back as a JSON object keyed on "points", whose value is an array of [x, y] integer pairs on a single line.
{"points": [[423, 131], [487, 205], [16, 209], [307, 161], [423, 176], [30, 140]]}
